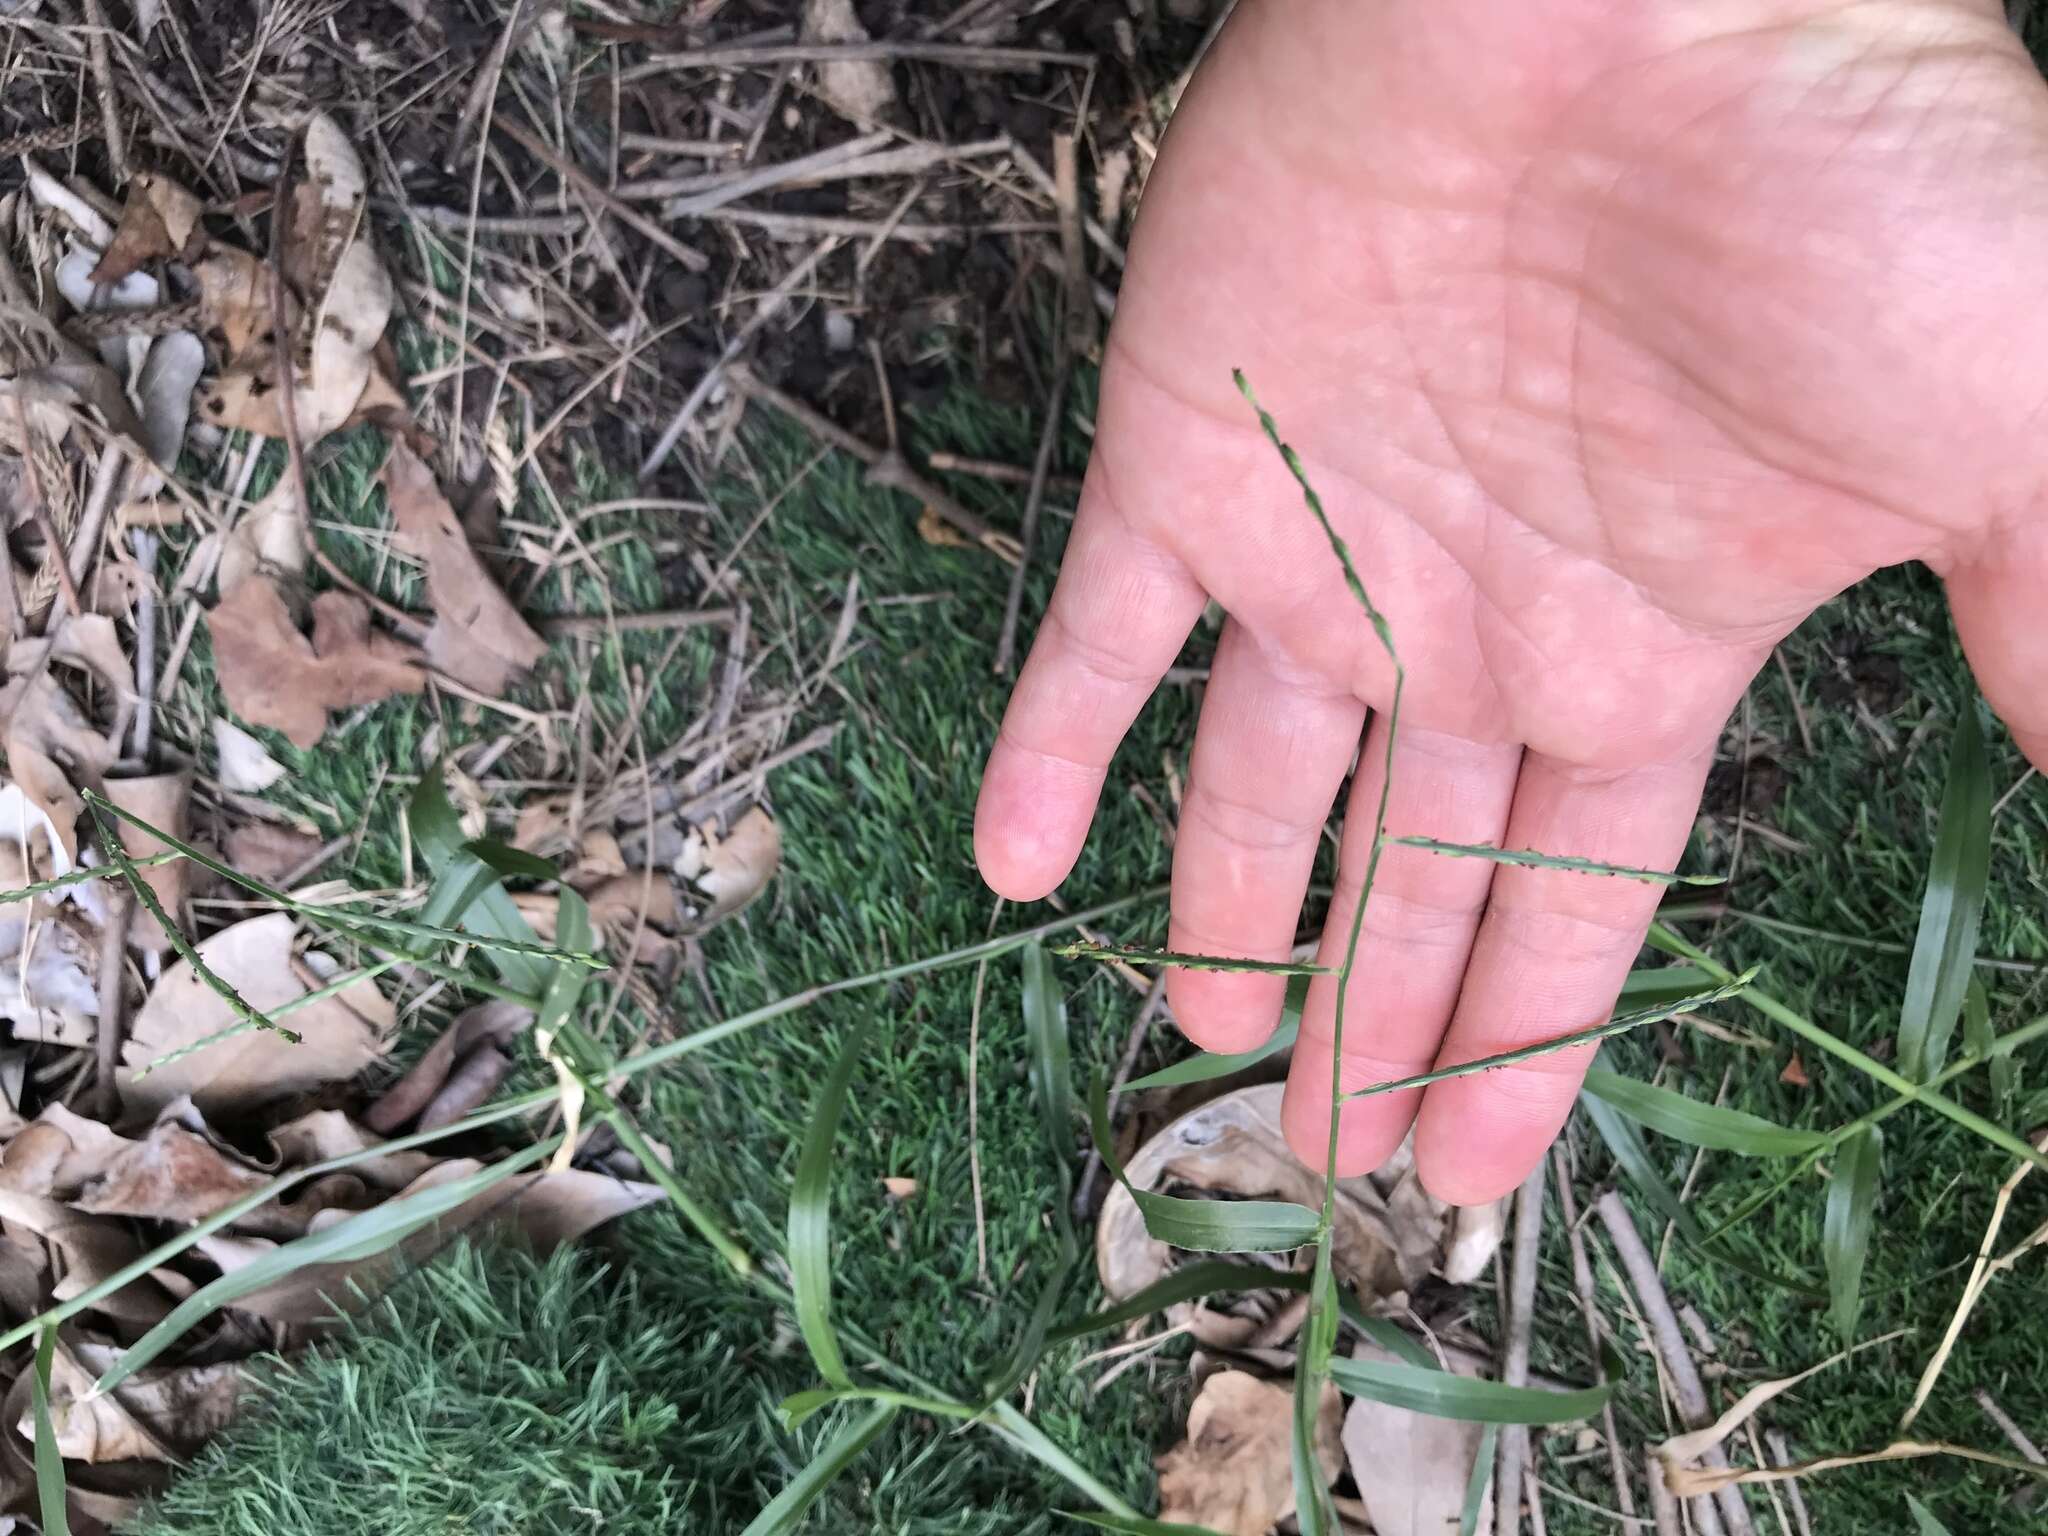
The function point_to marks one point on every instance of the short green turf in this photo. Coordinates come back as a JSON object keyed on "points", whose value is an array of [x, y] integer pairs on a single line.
{"points": [[642, 1400]]}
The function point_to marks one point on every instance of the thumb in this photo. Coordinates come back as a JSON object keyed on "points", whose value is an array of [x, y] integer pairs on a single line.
{"points": [[1998, 596]]}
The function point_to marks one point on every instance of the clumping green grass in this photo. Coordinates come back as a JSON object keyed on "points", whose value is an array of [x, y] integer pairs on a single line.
{"points": [[631, 1385]]}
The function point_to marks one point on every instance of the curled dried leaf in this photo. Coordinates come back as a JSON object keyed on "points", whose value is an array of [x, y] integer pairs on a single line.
{"points": [[274, 676], [1234, 1472], [478, 637]]}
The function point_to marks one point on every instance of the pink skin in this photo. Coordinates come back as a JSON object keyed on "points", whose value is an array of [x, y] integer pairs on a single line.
{"points": [[1617, 335]]}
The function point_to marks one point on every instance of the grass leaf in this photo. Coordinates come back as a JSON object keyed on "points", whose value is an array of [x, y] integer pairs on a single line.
{"points": [[351, 1240], [1655, 984], [1529, 858], [1052, 1079], [1944, 950], [1845, 1233], [1445, 1395], [1632, 1157], [1313, 1514], [810, 1217], [786, 1509], [1980, 1043], [1923, 1519], [50, 1496], [1478, 1481], [1696, 1123], [1206, 1066], [799, 1407], [1019, 1432], [1207, 1226]]}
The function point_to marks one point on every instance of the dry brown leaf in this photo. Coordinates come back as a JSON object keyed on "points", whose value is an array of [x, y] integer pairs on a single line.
{"points": [[899, 1188], [269, 852], [1411, 1468], [245, 767], [861, 90], [87, 1250], [272, 536], [616, 907], [49, 979], [1389, 1232], [234, 300], [478, 637], [157, 223], [58, 1153], [50, 745], [161, 800], [327, 218], [1794, 1075], [274, 676], [175, 1173], [155, 1415], [326, 1134], [1234, 1473], [734, 869], [486, 1025], [249, 1069]]}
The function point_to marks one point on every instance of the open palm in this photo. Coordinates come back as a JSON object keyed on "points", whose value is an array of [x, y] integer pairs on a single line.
{"points": [[1617, 338]]}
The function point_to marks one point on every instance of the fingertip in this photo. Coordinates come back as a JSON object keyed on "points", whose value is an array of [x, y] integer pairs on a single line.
{"points": [[1369, 1131], [1029, 825], [1476, 1138], [1225, 1011]]}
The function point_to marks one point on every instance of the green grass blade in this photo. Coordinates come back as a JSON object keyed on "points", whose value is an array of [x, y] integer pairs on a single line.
{"points": [[785, 1511], [1052, 1078], [1031, 1339], [1944, 950], [467, 892], [1980, 1044], [1206, 1226], [810, 1217], [1313, 1514], [1632, 1157], [1529, 858], [1446, 1395], [1134, 1525], [50, 1496], [358, 1237], [1619, 1024], [1476, 1482], [799, 1407], [1209, 1277], [1845, 1233], [1696, 1123], [1924, 1522], [1205, 1066], [1013, 1428], [1671, 943], [1657, 984], [1088, 949]]}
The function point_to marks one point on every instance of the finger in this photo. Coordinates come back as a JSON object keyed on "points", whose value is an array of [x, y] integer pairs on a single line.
{"points": [[1119, 612], [1996, 597], [1419, 927], [1550, 957], [1270, 753]]}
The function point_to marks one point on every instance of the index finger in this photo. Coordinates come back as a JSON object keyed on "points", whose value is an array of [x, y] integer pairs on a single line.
{"points": [[1120, 610]]}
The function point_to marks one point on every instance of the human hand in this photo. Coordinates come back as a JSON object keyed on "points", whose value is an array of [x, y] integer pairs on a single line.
{"points": [[1616, 338]]}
